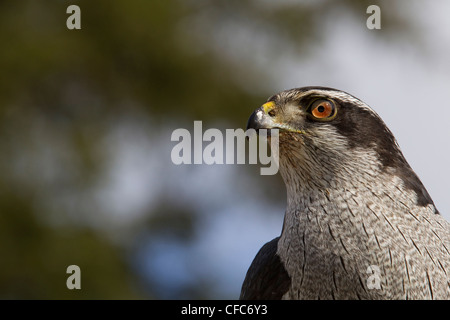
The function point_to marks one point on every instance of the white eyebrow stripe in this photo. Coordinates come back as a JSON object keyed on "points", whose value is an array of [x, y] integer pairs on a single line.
{"points": [[336, 94]]}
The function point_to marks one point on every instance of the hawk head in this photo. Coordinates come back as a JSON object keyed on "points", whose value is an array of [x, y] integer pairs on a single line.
{"points": [[327, 137]]}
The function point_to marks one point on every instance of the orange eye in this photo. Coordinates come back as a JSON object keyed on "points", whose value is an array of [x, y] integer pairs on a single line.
{"points": [[323, 109]]}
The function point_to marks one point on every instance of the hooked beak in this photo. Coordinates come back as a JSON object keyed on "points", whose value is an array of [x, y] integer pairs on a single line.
{"points": [[260, 118]]}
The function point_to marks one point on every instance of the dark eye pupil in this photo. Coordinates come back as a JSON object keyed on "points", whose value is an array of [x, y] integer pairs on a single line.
{"points": [[321, 109]]}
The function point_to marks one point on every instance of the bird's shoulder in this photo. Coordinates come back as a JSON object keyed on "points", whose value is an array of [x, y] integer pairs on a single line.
{"points": [[266, 279]]}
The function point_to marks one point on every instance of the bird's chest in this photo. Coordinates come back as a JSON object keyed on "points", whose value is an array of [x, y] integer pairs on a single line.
{"points": [[332, 248], [366, 241]]}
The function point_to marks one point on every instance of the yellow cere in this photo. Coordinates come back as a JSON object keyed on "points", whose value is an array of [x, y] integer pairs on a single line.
{"points": [[268, 106]]}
